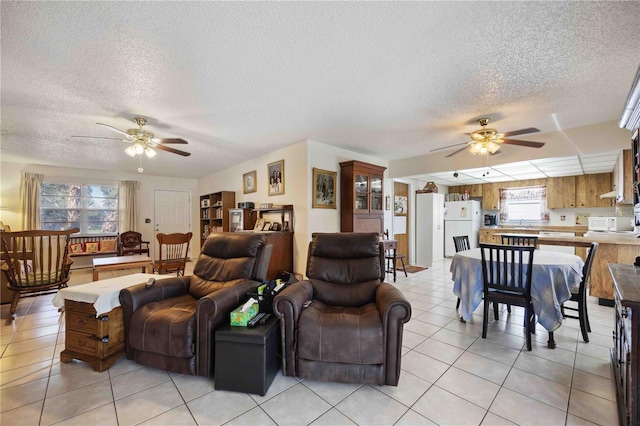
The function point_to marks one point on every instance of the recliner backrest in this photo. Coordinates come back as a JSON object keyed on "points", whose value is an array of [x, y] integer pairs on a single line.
{"points": [[227, 257], [345, 268]]}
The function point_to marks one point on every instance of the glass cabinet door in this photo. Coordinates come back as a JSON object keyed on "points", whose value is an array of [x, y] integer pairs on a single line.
{"points": [[362, 192], [376, 193], [236, 220]]}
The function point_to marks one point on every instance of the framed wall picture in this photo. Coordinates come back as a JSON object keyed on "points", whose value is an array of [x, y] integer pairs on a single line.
{"points": [[249, 183], [324, 189], [276, 178]]}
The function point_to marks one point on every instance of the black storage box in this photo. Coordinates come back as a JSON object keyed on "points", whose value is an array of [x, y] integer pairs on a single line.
{"points": [[247, 358]]}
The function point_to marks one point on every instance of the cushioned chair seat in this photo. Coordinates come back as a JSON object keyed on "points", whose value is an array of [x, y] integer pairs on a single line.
{"points": [[150, 324], [324, 330]]}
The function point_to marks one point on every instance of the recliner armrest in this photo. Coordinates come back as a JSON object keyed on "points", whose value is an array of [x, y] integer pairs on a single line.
{"points": [[225, 299], [131, 298], [394, 311], [290, 300], [287, 306], [389, 297], [135, 296]]}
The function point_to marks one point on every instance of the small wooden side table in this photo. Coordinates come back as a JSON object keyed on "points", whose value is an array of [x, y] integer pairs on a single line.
{"points": [[120, 262], [94, 330]]}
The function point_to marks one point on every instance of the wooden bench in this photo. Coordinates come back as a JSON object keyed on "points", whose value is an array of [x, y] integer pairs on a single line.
{"points": [[83, 239], [84, 259]]}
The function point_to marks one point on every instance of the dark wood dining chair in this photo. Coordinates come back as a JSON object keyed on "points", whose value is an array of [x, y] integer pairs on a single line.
{"points": [[519, 240], [461, 243], [174, 251], [392, 257], [506, 276], [579, 295], [131, 242], [35, 262]]}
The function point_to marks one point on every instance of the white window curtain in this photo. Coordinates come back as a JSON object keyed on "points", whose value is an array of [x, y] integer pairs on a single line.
{"points": [[532, 193], [128, 205], [30, 200]]}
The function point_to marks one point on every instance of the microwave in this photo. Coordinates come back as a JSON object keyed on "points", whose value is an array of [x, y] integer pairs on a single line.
{"points": [[616, 223]]}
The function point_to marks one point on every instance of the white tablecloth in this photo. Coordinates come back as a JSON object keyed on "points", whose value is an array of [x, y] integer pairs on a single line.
{"points": [[554, 273], [103, 294]]}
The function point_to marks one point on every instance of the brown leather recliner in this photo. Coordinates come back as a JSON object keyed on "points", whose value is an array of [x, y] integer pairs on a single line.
{"points": [[352, 329], [170, 325]]}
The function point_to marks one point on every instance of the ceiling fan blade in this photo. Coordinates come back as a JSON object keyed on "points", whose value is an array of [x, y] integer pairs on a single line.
{"points": [[173, 150], [521, 132], [529, 144], [117, 130], [456, 152], [99, 137], [450, 146], [169, 140]]}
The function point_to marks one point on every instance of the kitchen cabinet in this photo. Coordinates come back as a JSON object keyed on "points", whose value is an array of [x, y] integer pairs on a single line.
{"points": [[213, 212], [491, 195], [590, 187], [561, 192], [626, 341], [627, 174], [361, 196], [474, 191], [489, 236]]}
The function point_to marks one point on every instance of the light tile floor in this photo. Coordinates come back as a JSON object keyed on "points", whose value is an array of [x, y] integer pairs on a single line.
{"points": [[450, 376]]}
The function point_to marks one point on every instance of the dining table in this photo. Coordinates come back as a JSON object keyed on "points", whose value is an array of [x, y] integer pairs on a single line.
{"points": [[553, 276]]}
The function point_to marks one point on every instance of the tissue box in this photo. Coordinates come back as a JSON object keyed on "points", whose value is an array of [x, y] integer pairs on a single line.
{"points": [[239, 318]]}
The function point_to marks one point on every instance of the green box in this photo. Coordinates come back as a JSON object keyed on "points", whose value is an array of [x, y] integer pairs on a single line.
{"points": [[242, 318]]}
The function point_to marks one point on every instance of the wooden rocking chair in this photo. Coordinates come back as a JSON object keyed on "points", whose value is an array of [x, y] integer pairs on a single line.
{"points": [[35, 262]]}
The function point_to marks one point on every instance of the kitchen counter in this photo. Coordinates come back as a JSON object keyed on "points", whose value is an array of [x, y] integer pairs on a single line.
{"points": [[537, 228], [612, 248], [586, 241]]}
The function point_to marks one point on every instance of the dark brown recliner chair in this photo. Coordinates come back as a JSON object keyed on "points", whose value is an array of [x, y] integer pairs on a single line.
{"points": [[170, 325], [352, 329]]}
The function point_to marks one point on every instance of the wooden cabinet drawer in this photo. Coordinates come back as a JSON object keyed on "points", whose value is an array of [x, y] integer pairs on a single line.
{"points": [[83, 321], [84, 343]]}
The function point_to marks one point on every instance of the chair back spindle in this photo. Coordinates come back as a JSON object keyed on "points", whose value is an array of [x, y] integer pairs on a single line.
{"points": [[36, 262]]}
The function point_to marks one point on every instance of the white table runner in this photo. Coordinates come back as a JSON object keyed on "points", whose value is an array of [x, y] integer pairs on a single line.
{"points": [[103, 294]]}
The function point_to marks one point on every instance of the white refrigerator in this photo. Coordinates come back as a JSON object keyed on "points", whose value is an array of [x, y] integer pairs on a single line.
{"points": [[429, 228], [461, 218]]}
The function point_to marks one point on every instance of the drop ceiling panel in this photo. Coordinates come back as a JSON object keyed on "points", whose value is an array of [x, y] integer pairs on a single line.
{"points": [[534, 169]]}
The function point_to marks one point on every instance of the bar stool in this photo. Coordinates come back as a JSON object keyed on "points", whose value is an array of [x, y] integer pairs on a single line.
{"points": [[391, 255]]}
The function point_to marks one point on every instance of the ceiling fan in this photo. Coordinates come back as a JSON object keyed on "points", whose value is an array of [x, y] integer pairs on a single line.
{"points": [[143, 141], [487, 141]]}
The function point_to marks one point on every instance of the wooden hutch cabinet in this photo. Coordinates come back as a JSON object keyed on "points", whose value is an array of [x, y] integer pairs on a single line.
{"points": [[240, 219], [213, 212], [361, 197], [282, 240]]}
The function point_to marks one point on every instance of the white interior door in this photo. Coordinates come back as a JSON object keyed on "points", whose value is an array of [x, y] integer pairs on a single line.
{"points": [[172, 213]]}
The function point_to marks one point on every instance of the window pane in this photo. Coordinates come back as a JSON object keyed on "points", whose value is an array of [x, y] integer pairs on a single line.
{"points": [[91, 208]]}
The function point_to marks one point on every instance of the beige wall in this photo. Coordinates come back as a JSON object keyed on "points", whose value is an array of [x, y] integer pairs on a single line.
{"points": [[299, 161]]}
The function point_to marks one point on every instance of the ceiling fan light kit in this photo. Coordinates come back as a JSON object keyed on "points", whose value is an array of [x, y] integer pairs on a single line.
{"points": [[143, 141], [487, 141]]}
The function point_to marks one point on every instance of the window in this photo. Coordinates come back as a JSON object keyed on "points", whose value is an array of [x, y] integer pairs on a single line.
{"points": [[92, 208], [524, 204]]}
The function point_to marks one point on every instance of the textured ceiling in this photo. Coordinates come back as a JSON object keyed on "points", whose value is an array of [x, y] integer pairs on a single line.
{"points": [[240, 79]]}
